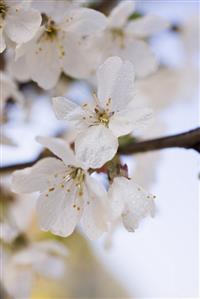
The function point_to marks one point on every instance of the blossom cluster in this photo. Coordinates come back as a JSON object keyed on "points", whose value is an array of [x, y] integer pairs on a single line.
{"points": [[41, 42], [68, 192], [66, 37]]}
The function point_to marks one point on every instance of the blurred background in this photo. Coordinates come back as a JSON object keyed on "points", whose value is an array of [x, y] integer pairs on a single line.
{"points": [[161, 258]]}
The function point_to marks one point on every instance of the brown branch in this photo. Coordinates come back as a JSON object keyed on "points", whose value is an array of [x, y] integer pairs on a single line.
{"points": [[187, 140], [104, 6]]}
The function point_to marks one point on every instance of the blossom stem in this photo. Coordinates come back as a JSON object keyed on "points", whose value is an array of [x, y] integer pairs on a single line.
{"points": [[187, 140]]}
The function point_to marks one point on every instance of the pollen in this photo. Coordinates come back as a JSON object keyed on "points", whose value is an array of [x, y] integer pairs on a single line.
{"points": [[51, 189], [104, 118]]}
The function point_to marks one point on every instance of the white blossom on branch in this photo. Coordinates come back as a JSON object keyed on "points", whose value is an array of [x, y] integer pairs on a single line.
{"points": [[130, 202], [68, 194], [60, 46], [112, 114], [128, 38], [18, 22]]}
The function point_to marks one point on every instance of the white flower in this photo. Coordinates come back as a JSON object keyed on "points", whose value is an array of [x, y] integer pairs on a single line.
{"points": [[18, 22], [16, 214], [68, 193], [130, 202], [112, 115], [126, 38], [60, 46], [20, 269], [56, 9]]}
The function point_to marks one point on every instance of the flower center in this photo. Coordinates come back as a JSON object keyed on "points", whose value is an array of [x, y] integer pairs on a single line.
{"points": [[3, 9], [51, 30], [118, 34], [103, 118], [78, 176]]}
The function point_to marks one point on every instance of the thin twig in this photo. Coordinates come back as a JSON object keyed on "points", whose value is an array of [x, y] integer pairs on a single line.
{"points": [[187, 140]]}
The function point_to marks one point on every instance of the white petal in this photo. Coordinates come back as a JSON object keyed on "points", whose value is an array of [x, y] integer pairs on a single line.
{"points": [[60, 148], [81, 58], [44, 63], [66, 109], [84, 21], [120, 13], [137, 202], [140, 54], [106, 76], [146, 26], [15, 66], [36, 178], [95, 215], [22, 24], [95, 146], [130, 119], [2, 39], [56, 212], [116, 81]]}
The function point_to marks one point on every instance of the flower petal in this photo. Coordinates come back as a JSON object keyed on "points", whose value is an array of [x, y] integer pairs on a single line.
{"points": [[119, 15], [140, 54], [127, 120], [81, 59], [95, 215], [22, 24], [36, 178], [2, 39], [116, 81], [146, 26], [44, 63], [67, 110], [84, 21], [56, 212], [20, 64], [95, 146], [60, 148], [131, 201]]}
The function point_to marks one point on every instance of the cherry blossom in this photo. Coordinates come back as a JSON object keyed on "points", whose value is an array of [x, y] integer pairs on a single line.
{"points": [[60, 46], [18, 22], [126, 38], [16, 213], [69, 195], [112, 114], [130, 202], [44, 258]]}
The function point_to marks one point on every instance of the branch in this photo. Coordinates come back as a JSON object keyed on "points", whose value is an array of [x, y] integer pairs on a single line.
{"points": [[104, 6], [187, 140]]}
